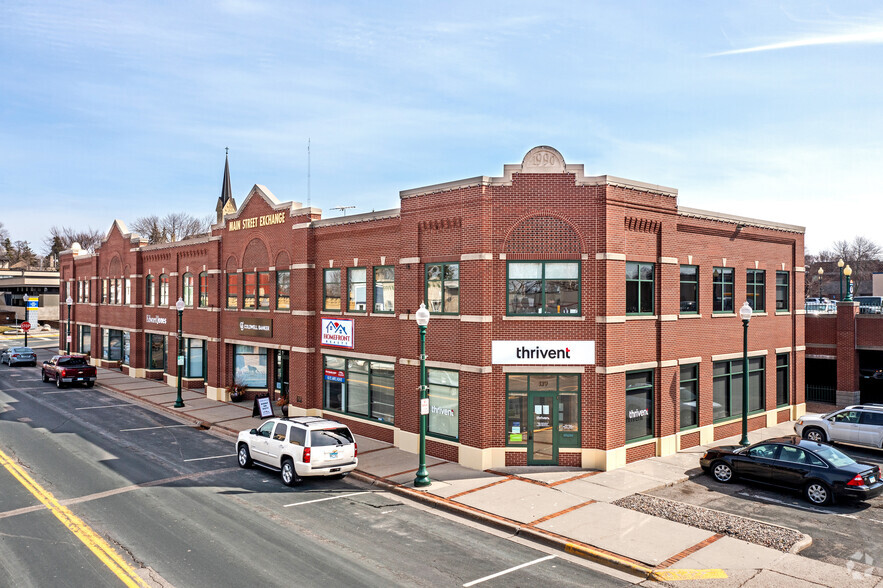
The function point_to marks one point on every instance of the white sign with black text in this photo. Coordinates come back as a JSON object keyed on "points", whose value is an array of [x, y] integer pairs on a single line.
{"points": [[543, 352]]}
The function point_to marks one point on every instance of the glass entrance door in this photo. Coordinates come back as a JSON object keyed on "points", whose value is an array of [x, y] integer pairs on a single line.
{"points": [[281, 373], [542, 448]]}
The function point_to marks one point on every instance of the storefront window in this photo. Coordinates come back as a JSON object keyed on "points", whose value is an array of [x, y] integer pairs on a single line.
{"points": [[444, 402], [638, 405], [194, 358], [331, 285], [112, 344], [85, 346], [782, 387], [689, 396], [126, 347], [727, 387], [156, 352], [525, 390], [283, 290], [356, 281], [360, 387], [250, 366], [384, 289]]}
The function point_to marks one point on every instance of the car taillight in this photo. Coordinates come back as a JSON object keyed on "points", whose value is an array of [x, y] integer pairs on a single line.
{"points": [[306, 455], [14, 355], [355, 449], [856, 481], [63, 373]]}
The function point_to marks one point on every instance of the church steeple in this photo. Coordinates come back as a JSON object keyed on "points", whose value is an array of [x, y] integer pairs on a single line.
{"points": [[226, 203]]}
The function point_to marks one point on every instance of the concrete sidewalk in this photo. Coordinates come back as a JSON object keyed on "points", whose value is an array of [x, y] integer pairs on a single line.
{"points": [[567, 508]]}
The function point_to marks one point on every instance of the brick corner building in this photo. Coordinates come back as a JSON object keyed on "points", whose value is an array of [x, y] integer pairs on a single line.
{"points": [[575, 320]]}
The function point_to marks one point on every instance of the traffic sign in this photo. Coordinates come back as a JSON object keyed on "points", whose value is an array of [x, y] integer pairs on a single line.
{"points": [[26, 326]]}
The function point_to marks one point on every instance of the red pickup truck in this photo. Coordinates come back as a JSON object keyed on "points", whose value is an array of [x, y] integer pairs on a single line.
{"points": [[69, 369]]}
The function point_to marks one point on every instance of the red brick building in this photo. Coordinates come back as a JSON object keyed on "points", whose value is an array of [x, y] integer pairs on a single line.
{"points": [[575, 320]]}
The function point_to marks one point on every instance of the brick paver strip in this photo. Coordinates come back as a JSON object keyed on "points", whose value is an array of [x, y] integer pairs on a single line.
{"points": [[579, 477], [561, 512], [378, 449], [689, 551], [506, 479]]}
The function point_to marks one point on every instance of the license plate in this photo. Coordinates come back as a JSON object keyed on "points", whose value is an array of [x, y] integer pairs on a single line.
{"points": [[334, 470], [872, 480], [77, 379]]}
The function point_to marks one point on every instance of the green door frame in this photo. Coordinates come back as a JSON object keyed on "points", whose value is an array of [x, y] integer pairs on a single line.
{"points": [[547, 428]]}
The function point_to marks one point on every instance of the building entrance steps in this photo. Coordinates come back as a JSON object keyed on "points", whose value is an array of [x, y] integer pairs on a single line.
{"points": [[564, 507]]}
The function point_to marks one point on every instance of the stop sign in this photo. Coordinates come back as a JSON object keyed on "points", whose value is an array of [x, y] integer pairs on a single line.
{"points": [[26, 326]]}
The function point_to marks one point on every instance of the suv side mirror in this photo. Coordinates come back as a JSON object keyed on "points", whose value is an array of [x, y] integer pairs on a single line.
{"points": [[253, 432]]}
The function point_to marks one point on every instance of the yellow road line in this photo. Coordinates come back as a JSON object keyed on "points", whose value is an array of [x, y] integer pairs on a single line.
{"points": [[81, 530], [671, 575]]}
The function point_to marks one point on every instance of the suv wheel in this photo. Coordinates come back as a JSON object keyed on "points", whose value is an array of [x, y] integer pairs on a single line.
{"points": [[244, 457], [817, 492], [289, 474], [815, 434]]}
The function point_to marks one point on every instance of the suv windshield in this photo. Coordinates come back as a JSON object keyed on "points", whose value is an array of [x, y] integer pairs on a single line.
{"points": [[72, 361], [833, 456], [326, 437]]}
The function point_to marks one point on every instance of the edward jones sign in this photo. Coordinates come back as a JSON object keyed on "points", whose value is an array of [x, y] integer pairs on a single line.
{"points": [[337, 333], [543, 352]]}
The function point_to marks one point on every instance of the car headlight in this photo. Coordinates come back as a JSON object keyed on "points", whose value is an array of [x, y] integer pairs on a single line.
{"points": [[800, 421], [705, 455]]}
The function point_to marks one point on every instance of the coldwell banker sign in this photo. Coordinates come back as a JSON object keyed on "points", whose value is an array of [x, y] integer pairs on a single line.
{"points": [[337, 333], [543, 352], [256, 327]]}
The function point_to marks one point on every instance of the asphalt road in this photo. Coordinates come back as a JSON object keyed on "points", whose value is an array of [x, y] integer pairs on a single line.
{"points": [[846, 533], [171, 500]]}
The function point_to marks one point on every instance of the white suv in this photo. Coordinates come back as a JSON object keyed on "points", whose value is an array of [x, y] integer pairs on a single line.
{"points": [[299, 447], [861, 424]]}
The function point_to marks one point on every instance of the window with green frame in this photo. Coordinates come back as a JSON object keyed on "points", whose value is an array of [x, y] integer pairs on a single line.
{"points": [[443, 287], [357, 289], [782, 387], [384, 288], [727, 384], [755, 284], [689, 289], [638, 288], [331, 289], [543, 287], [638, 405], [360, 387], [565, 388], [444, 403], [689, 392], [188, 289], [782, 282], [722, 284]]}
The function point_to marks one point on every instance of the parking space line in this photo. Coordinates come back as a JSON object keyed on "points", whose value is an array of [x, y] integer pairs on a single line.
{"points": [[106, 406], [152, 428], [324, 499], [212, 457], [510, 570]]}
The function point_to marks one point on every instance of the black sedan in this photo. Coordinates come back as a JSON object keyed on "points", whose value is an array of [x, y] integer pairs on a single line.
{"points": [[820, 471]]}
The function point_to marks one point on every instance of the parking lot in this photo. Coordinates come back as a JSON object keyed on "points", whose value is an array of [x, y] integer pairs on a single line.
{"points": [[844, 533]]}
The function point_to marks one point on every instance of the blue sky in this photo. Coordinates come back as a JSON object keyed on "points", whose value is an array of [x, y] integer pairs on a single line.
{"points": [[123, 109]]}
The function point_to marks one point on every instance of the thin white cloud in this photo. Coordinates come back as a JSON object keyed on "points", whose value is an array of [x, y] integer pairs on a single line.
{"points": [[868, 36]]}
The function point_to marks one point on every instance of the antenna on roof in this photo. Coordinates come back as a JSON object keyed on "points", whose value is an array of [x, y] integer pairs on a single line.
{"points": [[342, 208], [308, 172]]}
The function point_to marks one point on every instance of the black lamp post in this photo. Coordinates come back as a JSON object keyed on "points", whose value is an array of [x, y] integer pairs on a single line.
{"points": [[821, 271], [422, 318], [745, 315], [69, 338], [840, 266], [179, 306], [27, 301]]}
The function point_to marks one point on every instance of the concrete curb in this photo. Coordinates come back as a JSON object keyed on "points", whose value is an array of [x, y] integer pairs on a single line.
{"points": [[589, 552]]}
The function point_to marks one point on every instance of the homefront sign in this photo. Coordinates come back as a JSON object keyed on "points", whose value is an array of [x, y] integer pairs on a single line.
{"points": [[256, 221], [337, 333], [256, 327], [543, 352]]}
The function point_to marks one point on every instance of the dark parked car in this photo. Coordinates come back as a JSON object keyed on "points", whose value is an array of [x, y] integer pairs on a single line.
{"points": [[820, 471], [15, 355]]}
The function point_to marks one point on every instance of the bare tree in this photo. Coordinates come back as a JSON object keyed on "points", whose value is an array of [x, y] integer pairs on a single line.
{"points": [[4, 234], [89, 239], [174, 226]]}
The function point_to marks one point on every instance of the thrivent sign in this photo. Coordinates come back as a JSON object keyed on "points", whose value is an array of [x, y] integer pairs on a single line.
{"points": [[543, 352]]}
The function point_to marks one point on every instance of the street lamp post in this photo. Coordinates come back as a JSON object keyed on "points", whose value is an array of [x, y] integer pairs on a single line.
{"points": [[821, 271], [27, 300], [840, 265], [179, 306], [68, 337], [422, 317], [745, 315], [847, 271]]}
